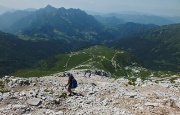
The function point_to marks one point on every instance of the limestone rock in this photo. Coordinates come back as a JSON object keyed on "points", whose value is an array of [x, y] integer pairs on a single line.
{"points": [[177, 103], [19, 106], [34, 101], [1, 97], [151, 104]]}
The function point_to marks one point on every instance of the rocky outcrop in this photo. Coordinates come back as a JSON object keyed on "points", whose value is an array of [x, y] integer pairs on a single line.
{"points": [[97, 94]]}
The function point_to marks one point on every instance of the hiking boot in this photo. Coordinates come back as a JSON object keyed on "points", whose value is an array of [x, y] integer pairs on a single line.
{"points": [[70, 95]]}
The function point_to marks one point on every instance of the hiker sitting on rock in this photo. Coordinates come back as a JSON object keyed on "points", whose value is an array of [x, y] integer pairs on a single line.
{"points": [[72, 83]]}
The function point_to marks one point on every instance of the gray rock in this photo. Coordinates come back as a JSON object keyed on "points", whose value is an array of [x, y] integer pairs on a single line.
{"points": [[59, 113], [14, 80], [17, 106], [6, 95], [28, 109], [151, 104], [33, 84], [43, 98], [1, 97], [177, 80], [131, 94], [105, 102], [26, 82], [57, 101], [20, 82], [22, 94], [34, 101], [6, 76], [49, 98], [174, 103], [138, 81], [91, 93], [32, 93], [177, 103]]}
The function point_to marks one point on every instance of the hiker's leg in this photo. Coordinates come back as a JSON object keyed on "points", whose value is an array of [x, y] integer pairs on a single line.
{"points": [[69, 90], [73, 92]]}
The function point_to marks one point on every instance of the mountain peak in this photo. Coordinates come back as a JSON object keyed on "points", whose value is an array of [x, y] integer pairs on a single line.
{"points": [[49, 7]]}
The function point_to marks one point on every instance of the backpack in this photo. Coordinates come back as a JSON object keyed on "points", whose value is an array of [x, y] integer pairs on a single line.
{"points": [[74, 83]]}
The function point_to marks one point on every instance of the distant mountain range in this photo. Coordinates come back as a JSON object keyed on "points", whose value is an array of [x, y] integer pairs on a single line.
{"points": [[9, 18], [109, 21], [61, 23], [5, 9], [49, 31], [50, 22], [11, 10], [140, 18], [124, 30]]}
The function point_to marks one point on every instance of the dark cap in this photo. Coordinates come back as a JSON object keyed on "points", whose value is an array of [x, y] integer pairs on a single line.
{"points": [[68, 73]]}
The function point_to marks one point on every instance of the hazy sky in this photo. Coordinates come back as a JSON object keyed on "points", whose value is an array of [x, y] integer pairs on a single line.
{"points": [[158, 7]]}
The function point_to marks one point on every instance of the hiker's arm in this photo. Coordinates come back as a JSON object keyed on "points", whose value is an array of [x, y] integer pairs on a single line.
{"points": [[68, 83]]}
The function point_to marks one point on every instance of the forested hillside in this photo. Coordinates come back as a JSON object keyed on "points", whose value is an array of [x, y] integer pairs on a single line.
{"points": [[158, 47]]}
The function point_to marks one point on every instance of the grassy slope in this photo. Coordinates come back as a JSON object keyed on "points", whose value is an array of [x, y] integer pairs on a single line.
{"points": [[97, 57], [116, 62]]}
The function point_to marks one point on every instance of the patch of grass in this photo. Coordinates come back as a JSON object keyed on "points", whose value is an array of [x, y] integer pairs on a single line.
{"points": [[157, 81], [121, 73], [2, 84], [77, 59], [144, 75], [108, 66], [172, 80], [93, 84], [46, 90], [32, 73], [5, 91], [50, 91], [132, 81], [63, 95]]}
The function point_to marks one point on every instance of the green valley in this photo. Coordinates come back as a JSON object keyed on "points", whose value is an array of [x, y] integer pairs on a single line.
{"points": [[117, 63]]}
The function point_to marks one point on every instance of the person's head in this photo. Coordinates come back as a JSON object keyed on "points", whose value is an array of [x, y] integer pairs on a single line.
{"points": [[68, 74]]}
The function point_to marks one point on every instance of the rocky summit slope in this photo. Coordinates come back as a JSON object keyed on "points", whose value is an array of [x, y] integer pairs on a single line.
{"points": [[97, 94]]}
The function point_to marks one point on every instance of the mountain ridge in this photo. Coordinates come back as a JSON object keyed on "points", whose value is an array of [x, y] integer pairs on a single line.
{"points": [[5, 9], [142, 18], [45, 21]]}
